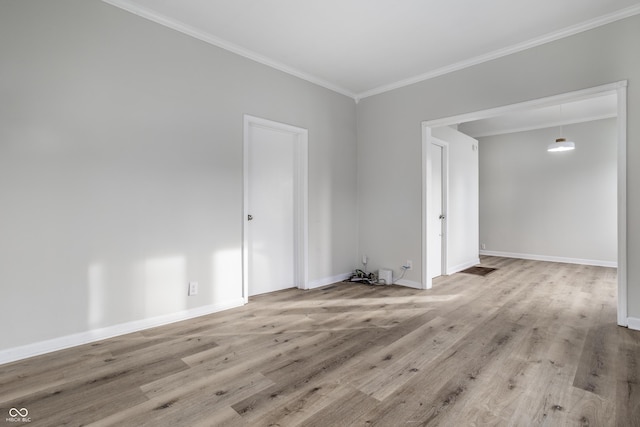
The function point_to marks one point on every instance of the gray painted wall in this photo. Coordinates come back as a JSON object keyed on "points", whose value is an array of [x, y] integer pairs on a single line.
{"points": [[389, 131], [551, 204], [121, 168]]}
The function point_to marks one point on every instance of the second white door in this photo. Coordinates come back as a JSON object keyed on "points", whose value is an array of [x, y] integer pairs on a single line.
{"points": [[270, 221], [437, 214]]}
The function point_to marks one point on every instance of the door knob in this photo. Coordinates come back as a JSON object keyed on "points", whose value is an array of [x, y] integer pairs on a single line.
{"points": [[249, 217]]}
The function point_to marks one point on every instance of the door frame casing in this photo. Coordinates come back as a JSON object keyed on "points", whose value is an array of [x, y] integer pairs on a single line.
{"points": [[300, 200], [427, 172], [620, 89]]}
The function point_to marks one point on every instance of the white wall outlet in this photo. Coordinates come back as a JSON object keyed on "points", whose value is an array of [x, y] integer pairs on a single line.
{"points": [[365, 259], [193, 288], [483, 246], [409, 264]]}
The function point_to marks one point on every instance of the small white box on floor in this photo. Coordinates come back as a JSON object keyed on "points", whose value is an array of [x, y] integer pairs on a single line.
{"points": [[385, 276]]}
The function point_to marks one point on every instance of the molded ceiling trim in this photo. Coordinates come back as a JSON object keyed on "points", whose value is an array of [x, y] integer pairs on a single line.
{"points": [[223, 44], [206, 37], [556, 35]]}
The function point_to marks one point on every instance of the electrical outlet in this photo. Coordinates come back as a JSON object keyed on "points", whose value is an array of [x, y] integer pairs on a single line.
{"points": [[193, 288], [409, 264], [484, 246]]}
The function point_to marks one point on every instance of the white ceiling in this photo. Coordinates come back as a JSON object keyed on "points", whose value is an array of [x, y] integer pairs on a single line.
{"points": [[363, 47]]}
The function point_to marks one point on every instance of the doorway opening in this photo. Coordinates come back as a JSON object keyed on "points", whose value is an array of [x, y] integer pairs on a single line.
{"points": [[620, 90]]}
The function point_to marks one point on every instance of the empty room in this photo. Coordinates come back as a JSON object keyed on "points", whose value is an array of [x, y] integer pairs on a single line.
{"points": [[336, 213]]}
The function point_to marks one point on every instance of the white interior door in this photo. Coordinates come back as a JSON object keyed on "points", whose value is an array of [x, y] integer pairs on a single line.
{"points": [[270, 206], [436, 212]]}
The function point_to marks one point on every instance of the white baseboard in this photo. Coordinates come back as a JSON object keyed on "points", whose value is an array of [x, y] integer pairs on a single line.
{"points": [[318, 283], [633, 323], [61, 343], [450, 270], [409, 283], [463, 266], [598, 263], [341, 277]]}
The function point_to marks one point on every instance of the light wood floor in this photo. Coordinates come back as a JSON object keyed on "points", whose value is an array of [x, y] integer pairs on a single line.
{"points": [[531, 344]]}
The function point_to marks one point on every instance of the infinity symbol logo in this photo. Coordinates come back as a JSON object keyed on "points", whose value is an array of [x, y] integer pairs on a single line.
{"points": [[22, 412]]}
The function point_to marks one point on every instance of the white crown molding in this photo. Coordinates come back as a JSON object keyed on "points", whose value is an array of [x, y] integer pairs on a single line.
{"points": [[547, 38], [223, 44]]}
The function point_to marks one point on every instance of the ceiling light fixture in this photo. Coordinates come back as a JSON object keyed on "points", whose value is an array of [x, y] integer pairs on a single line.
{"points": [[561, 144]]}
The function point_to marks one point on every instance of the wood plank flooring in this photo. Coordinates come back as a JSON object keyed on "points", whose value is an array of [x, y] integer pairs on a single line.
{"points": [[531, 344]]}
